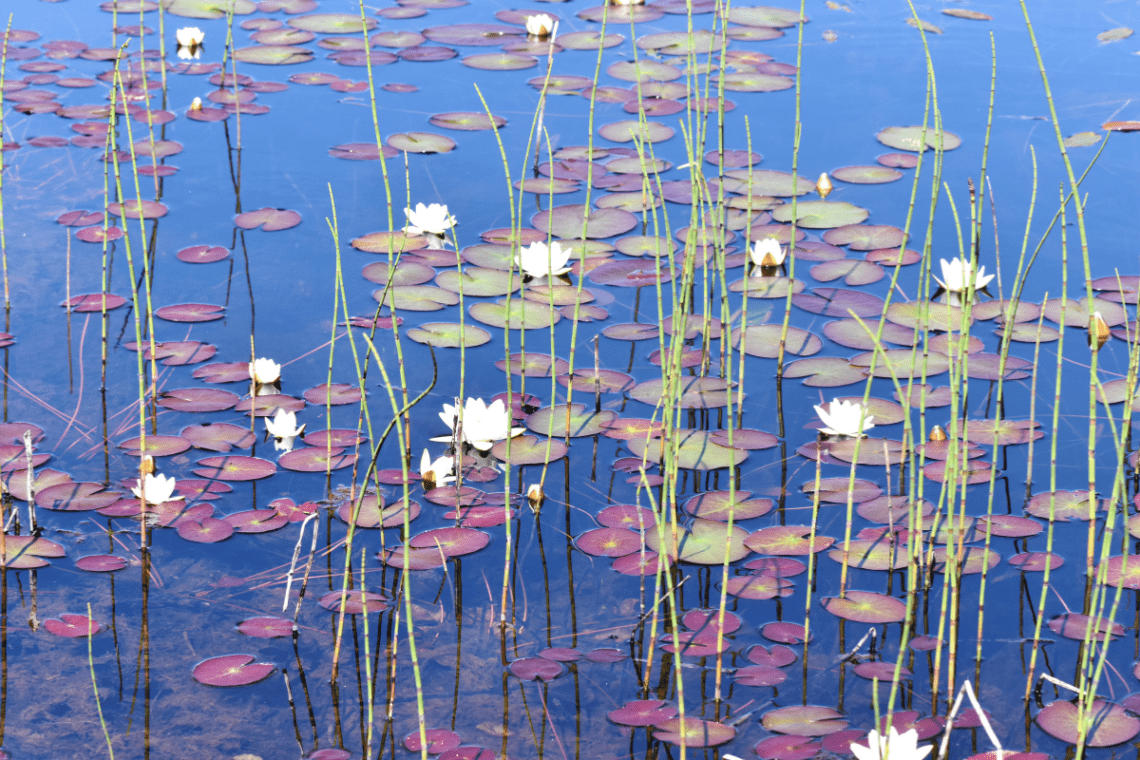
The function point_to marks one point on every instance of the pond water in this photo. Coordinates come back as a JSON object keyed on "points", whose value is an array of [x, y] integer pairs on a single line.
{"points": [[562, 632]]}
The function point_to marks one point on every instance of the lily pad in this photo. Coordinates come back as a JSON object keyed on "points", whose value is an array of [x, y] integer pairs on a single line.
{"points": [[569, 420], [514, 314], [801, 720], [232, 669], [865, 607], [1109, 723], [448, 335], [821, 214], [910, 138], [704, 542]]}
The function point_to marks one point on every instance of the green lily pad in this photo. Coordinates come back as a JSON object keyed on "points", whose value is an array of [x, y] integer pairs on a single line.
{"points": [[476, 281], [910, 138], [416, 298], [866, 175], [761, 15], [207, 9], [804, 720], [643, 71], [865, 607], [702, 543], [770, 182], [534, 365], [420, 142], [695, 450], [1109, 723], [528, 449], [764, 341], [757, 82], [766, 287], [569, 421], [927, 315], [567, 222], [821, 214], [274, 55], [448, 335], [518, 314], [692, 392], [825, 372], [332, 23], [500, 61], [865, 237], [629, 129]]}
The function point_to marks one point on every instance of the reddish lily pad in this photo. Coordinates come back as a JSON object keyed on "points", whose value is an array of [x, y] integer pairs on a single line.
{"points": [[101, 563], [804, 720], [567, 222], [269, 219], [1074, 626], [1110, 723], [156, 445], [536, 669], [355, 601], [642, 712], [336, 394], [198, 399], [694, 732], [191, 312], [94, 302], [786, 540], [266, 627], [717, 505], [232, 670], [256, 520], [76, 497], [609, 542], [865, 607], [761, 586], [208, 530], [202, 254], [1064, 506], [235, 468], [72, 626], [452, 542]]}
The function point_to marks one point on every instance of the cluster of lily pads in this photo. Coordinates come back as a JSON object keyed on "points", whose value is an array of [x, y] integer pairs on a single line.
{"points": [[569, 264]]}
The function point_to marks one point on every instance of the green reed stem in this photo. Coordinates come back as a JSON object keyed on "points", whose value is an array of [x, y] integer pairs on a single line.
{"points": [[95, 685]]}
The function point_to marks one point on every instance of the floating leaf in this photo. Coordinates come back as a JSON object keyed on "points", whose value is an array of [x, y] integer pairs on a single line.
{"points": [[786, 540], [808, 720], [642, 712], [821, 214], [72, 626], [569, 420], [704, 542], [421, 142], [910, 138], [865, 607], [235, 468], [232, 670], [694, 732], [269, 219], [1109, 723]]}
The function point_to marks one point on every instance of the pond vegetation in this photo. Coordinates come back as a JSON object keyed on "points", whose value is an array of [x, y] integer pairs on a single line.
{"points": [[625, 442]]}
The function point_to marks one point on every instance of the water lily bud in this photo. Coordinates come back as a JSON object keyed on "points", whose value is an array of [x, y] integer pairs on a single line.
{"points": [[535, 495], [196, 104], [937, 433], [148, 465], [823, 185], [1098, 331]]}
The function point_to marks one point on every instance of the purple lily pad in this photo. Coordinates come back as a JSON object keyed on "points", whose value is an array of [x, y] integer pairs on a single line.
{"points": [[101, 563], [198, 399], [1110, 723], [235, 468], [355, 601], [208, 530], [232, 670], [439, 740], [269, 219], [536, 669], [642, 712], [452, 542], [218, 436], [72, 626], [191, 312], [266, 627], [256, 520]]}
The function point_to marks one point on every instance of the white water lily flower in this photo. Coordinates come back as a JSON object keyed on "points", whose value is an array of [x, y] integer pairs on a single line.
{"points": [[955, 276], [895, 746], [482, 425], [190, 36], [438, 472], [156, 489], [265, 371], [539, 25], [538, 260], [842, 418], [767, 253], [429, 220], [284, 425]]}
